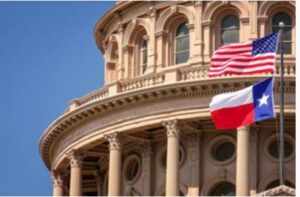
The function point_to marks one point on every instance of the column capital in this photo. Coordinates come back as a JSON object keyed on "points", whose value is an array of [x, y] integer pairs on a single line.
{"points": [[76, 158], [114, 141], [57, 178], [194, 138], [172, 127]]}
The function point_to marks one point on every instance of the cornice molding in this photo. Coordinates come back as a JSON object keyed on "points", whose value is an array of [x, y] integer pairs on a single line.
{"points": [[140, 98]]}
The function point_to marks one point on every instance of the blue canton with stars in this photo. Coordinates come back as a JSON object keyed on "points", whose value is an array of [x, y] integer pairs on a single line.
{"points": [[267, 44]]}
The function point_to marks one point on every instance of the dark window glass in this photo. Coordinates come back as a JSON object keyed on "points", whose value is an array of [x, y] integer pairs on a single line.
{"points": [[224, 151], [223, 189], [132, 169], [287, 32], [230, 30], [274, 151], [144, 56], [182, 41]]}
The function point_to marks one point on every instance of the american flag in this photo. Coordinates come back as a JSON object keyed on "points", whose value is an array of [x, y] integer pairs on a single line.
{"points": [[245, 58]]}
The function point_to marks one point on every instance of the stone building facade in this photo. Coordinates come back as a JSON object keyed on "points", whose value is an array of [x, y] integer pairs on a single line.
{"points": [[148, 130]]}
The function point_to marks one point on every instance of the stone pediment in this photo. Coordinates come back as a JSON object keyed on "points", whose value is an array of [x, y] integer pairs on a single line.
{"points": [[282, 190]]}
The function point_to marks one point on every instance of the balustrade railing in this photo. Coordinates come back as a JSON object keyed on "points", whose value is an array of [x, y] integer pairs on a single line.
{"points": [[94, 96], [142, 82], [184, 75], [193, 73]]}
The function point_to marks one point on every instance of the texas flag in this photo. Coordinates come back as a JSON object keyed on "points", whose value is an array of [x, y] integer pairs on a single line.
{"points": [[234, 109]]}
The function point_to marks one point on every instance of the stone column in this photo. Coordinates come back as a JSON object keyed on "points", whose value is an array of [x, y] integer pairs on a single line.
{"points": [[114, 174], [58, 185], [76, 173], [172, 176], [99, 181], [242, 162]]}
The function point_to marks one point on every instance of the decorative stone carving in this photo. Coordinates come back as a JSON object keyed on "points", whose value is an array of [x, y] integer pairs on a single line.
{"points": [[76, 158], [114, 141], [172, 128], [57, 178], [194, 138]]}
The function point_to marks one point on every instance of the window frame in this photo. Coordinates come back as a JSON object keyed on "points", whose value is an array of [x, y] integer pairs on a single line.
{"points": [[224, 29], [141, 51], [271, 26], [175, 52]]}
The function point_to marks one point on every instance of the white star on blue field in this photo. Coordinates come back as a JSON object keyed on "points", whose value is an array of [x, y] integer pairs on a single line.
{"points": [[48, 56], [263, 100]]}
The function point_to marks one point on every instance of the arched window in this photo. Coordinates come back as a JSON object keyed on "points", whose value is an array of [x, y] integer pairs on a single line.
{"points": [[223, 189], [143, 56], [182, 43], [287, 33], [230, 30]]}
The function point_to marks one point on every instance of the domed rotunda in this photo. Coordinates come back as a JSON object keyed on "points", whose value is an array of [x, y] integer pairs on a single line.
{"points": [[148, 130]]}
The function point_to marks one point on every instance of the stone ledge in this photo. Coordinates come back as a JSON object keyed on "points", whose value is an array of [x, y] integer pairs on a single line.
{"points": [[282, 190]]}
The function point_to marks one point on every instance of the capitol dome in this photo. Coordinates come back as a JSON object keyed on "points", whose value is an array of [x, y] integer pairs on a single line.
{"points": [[148, 130]]}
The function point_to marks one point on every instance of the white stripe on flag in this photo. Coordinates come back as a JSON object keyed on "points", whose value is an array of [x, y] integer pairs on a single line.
{"points": [[232, 99]]}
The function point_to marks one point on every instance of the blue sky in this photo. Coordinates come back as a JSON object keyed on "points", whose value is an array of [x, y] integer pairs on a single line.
{"points": [[48, 56]]}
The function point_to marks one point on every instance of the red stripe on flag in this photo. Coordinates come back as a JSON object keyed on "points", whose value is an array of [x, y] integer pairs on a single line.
{"points": [[236, 45], [234, 65], [244, 58], [243, 73], [233, 117]]}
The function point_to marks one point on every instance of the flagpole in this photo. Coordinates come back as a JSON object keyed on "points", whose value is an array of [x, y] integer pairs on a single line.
{"points": [[281, 147]]}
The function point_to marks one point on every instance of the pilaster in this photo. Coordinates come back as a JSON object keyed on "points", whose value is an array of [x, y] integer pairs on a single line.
{"points": [[152, 14], [194, 158], [147, 156]]}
